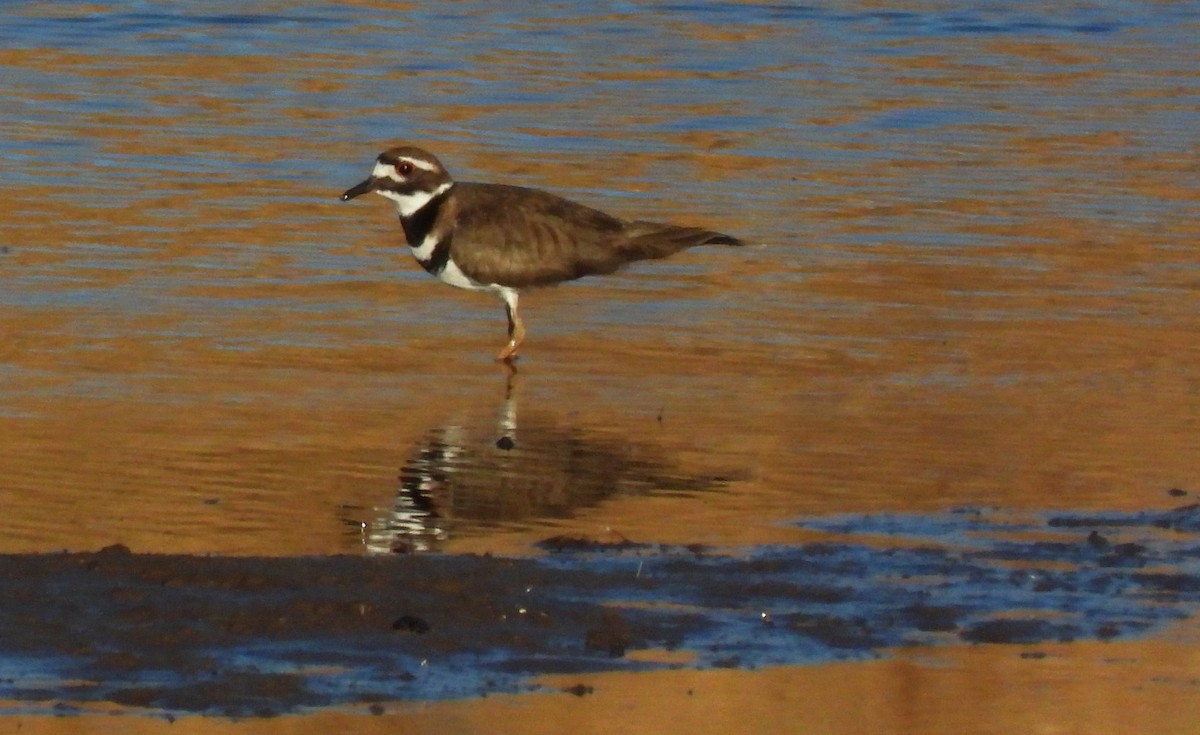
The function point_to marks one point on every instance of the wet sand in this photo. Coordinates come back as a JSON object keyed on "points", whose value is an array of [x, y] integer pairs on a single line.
{"points": [[1108, 688], [233, 636]]}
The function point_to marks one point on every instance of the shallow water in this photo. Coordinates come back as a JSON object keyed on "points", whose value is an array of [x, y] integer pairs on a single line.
{"points": [[976, 286]]}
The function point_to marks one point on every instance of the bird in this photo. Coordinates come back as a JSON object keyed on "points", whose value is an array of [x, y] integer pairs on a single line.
{"points": [[501, 239]]}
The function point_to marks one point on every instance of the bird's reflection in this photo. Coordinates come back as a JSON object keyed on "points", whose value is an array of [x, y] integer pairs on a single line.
{"points": [[464, 479]]}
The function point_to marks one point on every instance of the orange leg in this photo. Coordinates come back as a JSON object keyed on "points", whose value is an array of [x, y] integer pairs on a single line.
{"points": [[516, 328]]}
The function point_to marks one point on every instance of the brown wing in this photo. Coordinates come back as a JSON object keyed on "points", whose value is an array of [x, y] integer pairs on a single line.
{"points": [[646, 240], [564, 240]]}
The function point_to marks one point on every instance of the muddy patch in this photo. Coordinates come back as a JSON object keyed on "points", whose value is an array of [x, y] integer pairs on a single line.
{"points": [[262, 636]]}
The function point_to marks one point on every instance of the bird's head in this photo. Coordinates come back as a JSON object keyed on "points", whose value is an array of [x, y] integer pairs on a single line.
{"points": [[409, 176]]}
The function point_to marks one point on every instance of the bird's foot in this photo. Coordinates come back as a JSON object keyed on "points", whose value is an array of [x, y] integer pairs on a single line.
{"points": [[509, 353]]}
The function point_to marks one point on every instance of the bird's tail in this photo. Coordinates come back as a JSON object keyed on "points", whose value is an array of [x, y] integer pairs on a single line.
{"points": [[650, 240]]}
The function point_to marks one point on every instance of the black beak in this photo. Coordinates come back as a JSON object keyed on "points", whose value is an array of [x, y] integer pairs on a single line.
{"points": [[358, 190]]}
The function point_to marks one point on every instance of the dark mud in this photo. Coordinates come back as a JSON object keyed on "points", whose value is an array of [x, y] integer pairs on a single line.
{"points": [[261, 636]]}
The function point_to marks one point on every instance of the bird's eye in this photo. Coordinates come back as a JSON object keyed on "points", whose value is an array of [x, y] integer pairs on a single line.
{"points": [[404, 167]]}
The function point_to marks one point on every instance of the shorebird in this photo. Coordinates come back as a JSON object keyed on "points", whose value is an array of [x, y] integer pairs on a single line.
{"points": [[501, 239]]}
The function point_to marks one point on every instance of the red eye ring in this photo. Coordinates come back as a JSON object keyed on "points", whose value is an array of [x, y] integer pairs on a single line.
{"points": [[404, 168]]}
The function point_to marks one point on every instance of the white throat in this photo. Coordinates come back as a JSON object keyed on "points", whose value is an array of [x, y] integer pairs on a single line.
{"points": [[409, 204]]}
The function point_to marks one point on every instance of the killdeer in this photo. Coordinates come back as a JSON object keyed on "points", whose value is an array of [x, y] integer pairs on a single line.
{"points": [[500, 239]]}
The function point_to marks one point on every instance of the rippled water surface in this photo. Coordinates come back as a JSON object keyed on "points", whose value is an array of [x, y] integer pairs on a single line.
{"points": [[975, 280]]}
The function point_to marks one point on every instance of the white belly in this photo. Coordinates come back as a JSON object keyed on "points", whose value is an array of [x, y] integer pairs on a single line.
{"points": [[454, 276]]}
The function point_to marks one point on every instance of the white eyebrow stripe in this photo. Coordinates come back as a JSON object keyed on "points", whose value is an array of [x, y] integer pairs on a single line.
{"points": [[418, 163], [388, 171]]}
